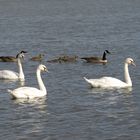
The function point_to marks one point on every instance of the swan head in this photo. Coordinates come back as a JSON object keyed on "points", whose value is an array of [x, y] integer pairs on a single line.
{"points": [[130, 61], [42, 67]]}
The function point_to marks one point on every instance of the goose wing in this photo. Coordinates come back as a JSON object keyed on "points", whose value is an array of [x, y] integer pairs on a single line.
{"points": [[91, 58]]}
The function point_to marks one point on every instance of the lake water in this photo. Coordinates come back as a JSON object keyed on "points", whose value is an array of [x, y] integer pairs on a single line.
{"points": [[71, 110]]}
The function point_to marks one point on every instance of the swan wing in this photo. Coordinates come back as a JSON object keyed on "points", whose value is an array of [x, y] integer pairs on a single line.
{"points": [[27, 92], [113, 82], [106, 82], [7, 74]]}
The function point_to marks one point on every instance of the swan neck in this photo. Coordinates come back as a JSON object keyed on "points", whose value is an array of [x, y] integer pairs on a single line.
{"points": [[104, 56], [21, 74], [126, 75], [40, 82]]}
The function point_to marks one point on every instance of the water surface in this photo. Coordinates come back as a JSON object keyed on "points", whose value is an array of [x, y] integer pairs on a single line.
{"points": [[71, 110]]}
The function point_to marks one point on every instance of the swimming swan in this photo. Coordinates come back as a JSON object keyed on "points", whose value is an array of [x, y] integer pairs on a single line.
{"points": [[95, 59], [31, 92], [11, 75], [110, 82]]}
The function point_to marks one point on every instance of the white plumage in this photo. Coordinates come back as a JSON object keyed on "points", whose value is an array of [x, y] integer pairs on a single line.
{"points": [[31, 92], [11, 75], [111, 82]]}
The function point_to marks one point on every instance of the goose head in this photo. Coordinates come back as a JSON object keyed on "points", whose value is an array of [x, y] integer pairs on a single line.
{"points": [[106, 51], [130, 61], [21, 54], [104, 55], [42, 67]]}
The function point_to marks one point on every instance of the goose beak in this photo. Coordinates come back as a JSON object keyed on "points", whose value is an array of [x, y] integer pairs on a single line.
{"points": [[107, 51]]}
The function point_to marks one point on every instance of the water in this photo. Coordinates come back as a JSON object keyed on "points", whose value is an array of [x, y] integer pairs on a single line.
{"points": [[71, 109]]}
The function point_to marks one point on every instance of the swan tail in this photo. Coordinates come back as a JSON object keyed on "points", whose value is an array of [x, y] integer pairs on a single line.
{"points": [[90, 82], [86, 79], [10, 91]]}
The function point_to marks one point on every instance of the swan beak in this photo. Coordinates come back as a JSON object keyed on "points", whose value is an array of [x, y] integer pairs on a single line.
{"points": [[133, 64], [46, 70]]}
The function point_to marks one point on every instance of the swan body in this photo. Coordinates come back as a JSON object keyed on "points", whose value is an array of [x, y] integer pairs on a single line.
{"points": [[111, 82], [11, 75], [7, 74], [31, 92], [94, 59]]}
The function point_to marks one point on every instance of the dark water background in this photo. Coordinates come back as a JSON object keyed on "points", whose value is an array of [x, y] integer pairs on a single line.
{"points": [[71, 110]]}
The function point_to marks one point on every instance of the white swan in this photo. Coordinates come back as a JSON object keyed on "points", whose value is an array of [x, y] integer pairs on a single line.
{"points": [[11, 75], [31, 92], [110, 82]]}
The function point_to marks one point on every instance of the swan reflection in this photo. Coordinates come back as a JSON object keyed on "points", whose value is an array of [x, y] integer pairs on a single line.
{"points": [[127, 90], [36, 102]]}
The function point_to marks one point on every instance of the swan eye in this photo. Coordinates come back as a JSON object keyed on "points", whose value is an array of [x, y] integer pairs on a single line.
{"points": [[131, 61], [44, 69]]}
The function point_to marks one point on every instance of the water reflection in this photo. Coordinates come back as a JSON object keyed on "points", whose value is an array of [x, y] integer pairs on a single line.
{"points": [[31, 114], [125, 90], [37, 102], [7, 81], [104, 90]]}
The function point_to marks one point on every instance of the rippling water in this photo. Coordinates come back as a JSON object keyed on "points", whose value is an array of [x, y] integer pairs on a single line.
{"points": [[71, 110]]}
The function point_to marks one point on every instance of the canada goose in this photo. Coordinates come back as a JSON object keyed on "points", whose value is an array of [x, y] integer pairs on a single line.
{"points": [[37, 58], [97, 59], [8, 59], [64, 58]]}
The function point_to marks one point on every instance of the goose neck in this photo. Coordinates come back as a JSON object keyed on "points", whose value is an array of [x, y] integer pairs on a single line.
{"points": [[104, 56]]}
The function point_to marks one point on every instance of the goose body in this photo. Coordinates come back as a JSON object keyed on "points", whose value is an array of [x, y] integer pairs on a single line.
{"points": [[63, 59], [111, 82], [37, 58], [11, 75], [94, 59], [8, 59], [31, 92]]}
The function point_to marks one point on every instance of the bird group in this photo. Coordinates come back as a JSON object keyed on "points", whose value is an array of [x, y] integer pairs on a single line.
{"points": [[31, 92]]}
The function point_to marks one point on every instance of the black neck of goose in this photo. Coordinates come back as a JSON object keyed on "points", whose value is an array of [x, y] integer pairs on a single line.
{"points": [[104, 56]]}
